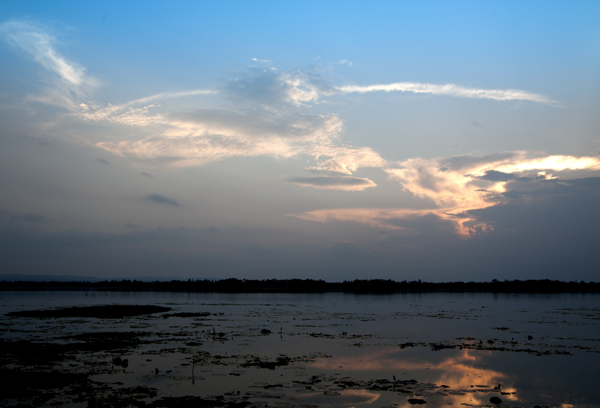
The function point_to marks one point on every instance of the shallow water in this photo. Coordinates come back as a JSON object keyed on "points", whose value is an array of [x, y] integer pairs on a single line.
{"points": [[333, 349]]}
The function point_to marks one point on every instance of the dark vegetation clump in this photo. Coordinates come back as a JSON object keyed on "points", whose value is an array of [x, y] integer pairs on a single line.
{"points": [[102, 312], [36, 386], [271, 365]]}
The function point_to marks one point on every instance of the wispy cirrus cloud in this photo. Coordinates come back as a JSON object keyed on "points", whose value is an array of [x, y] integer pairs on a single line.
{"points": [[70, 81], [41, 46], [450, 90], [334, 182], [270, 113], [126, 113]]}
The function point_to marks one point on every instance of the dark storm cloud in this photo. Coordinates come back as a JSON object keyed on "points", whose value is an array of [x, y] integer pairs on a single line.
{"points": [[493, 175], [549, 233], [460, 162], [160, 199], [577, 197], [537, 186]]}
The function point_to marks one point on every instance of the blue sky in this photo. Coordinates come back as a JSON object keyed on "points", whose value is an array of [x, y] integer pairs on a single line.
{"points": [[336, 140]]}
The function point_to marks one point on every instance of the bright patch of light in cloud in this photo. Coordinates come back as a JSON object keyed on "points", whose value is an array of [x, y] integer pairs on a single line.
{"points": [[334, 182], [456, 186], [453, 185]]}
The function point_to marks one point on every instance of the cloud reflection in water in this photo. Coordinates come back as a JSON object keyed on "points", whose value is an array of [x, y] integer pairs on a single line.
{"points": [[341, 398], [467, 382]]}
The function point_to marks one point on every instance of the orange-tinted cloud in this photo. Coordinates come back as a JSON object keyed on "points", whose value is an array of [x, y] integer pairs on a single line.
{"points": [[456, 186]]}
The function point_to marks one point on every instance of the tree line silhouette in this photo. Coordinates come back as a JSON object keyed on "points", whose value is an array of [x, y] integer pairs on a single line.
{"points": [[233, 285]]}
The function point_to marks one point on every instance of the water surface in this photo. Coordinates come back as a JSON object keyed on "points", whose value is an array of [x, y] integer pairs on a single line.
{"points": [[332, 349]]}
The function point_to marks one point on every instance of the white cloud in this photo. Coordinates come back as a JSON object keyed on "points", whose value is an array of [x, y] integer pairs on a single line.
{"points": [[273, 89], [452, 182], [344, 159], [450, 90], [278, 127], [334, 182], [41, 45], [126, 113], [200, 137], [68, 83], [203, 136], [269, 117]]}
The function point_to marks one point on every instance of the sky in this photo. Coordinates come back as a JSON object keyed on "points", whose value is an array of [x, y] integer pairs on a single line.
{"points": [[334, 140]]}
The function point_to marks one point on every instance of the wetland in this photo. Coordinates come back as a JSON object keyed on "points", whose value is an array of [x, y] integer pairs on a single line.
{"points": [[175, 349]]}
